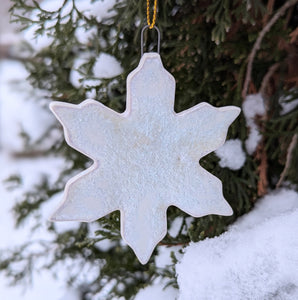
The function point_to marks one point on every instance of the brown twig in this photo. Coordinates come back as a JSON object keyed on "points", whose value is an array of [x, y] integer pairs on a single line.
{"points": [[174, 244], [288, 160], [261, 156], [266, 79], [293, 35], [280, 12], [288, 17], [270, 6], [28, 154]]}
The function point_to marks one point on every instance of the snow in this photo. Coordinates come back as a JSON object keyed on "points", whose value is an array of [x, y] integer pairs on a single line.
{"points": [[71, 294], [253, 106], [8, 34], [76, 78], [37, 42], [287, 104], [257, 258], [175, 227], [163, 258], [20, 109], [54, 5], [105, 66], [44, 287], [31, 170], [18, 96], [44, 40], [25, 108], [231, 155], [98, 9], [104, 245], [156, 292], [84, 35]]}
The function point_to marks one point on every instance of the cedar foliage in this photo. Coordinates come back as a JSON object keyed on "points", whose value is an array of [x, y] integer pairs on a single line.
{"points": [[205, 45]]}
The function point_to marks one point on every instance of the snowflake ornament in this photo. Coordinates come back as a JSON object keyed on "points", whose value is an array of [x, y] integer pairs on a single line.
{"points": [[145, 159]]}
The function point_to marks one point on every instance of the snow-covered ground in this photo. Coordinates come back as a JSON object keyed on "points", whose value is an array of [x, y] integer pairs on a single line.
{"points": [[257, 258]]}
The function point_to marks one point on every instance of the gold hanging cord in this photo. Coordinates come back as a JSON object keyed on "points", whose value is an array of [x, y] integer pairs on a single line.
{"points": [[151, 24]]}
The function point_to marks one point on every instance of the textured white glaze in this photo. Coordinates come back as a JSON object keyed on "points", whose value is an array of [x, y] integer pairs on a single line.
{"points": [[145, 159]]}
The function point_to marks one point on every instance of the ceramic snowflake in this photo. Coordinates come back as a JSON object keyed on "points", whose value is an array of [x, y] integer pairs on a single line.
{"points": [[145, 159]]}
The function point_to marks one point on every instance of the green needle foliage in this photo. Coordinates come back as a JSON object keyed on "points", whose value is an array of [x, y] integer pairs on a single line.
{"points": [[205, 45]]}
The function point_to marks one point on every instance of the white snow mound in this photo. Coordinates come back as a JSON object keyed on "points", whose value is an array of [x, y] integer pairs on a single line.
{"points": [[231, 155], [257, 258], [253, 106]]}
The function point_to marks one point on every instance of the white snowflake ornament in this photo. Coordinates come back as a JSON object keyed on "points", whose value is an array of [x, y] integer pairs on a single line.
{"points": [[145, 159]]}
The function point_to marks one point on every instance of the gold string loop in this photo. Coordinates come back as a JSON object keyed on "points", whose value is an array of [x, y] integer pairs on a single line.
{"points": [[151, 24]]}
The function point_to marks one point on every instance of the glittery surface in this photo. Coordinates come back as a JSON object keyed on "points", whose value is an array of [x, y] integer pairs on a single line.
{"points": [[145, 159]]}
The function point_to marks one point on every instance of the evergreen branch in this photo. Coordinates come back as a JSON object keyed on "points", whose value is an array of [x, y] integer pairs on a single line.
{"points": [[288, 160], [259, 40]]}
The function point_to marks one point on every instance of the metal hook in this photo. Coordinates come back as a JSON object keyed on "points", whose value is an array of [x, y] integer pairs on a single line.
{"points": [[142, 39]]}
